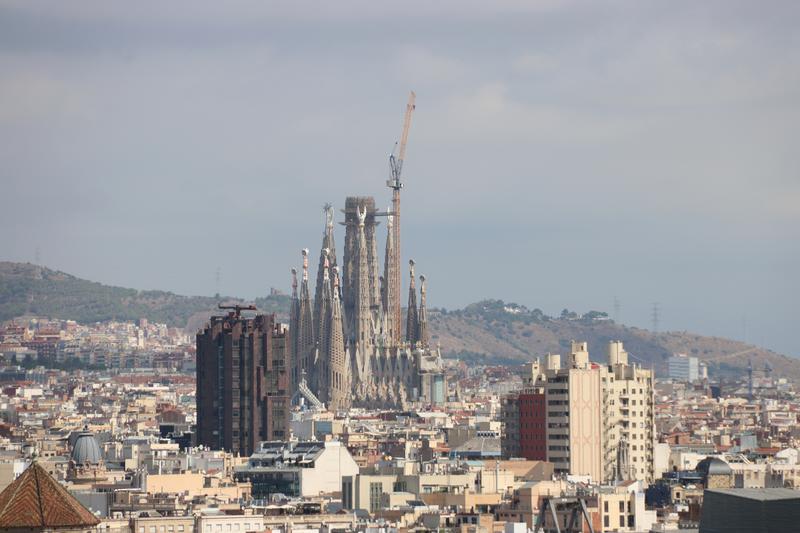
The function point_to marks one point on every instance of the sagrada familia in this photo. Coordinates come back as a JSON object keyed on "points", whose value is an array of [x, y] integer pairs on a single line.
{"points": [[351, 349]]}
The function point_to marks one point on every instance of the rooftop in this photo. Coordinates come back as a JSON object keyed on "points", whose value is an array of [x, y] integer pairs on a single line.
{"points": [[760, 494], [36, 500]]}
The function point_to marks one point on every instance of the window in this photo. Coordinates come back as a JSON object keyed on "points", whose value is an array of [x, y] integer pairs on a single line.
{"points": [[375, 490], [622, 509], [606, 521]]}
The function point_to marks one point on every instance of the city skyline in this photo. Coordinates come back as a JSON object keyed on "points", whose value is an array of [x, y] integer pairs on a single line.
{"points": [[561, 158]]}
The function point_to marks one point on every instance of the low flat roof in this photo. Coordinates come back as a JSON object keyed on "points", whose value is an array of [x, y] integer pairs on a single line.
{"points": [[760, 494]]}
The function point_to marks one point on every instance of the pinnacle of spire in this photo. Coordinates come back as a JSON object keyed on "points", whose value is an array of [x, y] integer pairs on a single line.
{"points": [[305, 264], [294, 283], [327, 253], [412, 319], [336, 281]]}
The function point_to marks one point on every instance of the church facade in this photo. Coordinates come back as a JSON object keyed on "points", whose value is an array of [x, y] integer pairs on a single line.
{"points": [[348, 346]]}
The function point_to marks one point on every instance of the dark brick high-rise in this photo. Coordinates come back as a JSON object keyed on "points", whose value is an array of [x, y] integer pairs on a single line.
{"points": [[243, 385]]}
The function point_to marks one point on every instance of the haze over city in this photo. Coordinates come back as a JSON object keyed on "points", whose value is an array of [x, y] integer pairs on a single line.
{"points": [[562, 154]]}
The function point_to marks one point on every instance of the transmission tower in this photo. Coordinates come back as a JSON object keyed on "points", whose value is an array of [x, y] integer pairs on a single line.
{"points": [[656, 316], [617, 308], [217, 278]]}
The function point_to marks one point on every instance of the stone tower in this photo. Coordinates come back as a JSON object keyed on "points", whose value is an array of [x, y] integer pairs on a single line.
{"points": [[305, 328], [339, 386], [351, 271], [323, 304], [361, 335], [389, 296], [327, 253]]}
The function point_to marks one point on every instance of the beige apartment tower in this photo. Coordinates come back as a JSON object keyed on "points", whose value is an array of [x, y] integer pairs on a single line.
{"points": [[585, 417]]}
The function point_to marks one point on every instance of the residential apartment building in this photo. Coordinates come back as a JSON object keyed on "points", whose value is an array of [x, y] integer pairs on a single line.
{"points": [[586, 418], [243, 393], [297, 469]]}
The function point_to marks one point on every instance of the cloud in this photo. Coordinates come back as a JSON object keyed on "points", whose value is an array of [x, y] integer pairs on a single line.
{"points": [[619, 147]]}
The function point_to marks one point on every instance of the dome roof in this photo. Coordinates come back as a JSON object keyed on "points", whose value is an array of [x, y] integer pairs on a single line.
{"points": [[86, 450], [712, 466]]}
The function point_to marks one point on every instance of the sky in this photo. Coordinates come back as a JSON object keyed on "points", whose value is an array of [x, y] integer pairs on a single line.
{"points": [[562, 154]]}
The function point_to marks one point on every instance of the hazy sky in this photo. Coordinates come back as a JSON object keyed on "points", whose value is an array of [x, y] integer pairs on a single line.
{"points": [[562, 153]]}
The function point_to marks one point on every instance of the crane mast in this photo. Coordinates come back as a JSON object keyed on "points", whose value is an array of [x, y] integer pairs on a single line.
{"points": [[394, 183]]}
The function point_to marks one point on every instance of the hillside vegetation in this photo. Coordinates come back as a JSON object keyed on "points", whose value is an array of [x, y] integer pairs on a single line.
{"points": [[491, 331], [30, 290]]}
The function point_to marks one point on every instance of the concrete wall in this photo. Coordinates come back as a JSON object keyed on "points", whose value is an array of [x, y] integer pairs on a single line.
{"points": [[334, 463], [585, 433]]}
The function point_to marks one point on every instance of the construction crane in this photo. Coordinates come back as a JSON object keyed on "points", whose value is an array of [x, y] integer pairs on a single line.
{"points": [[394, 183], [237, 309]]}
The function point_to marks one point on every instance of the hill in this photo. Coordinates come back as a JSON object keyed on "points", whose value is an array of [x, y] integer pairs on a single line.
{"points": [[27, 289], [491, 331]]}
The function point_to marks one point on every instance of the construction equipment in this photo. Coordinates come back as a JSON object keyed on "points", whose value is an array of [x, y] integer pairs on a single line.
{"points": [[237, 309], [574, 506], [394, 183]]}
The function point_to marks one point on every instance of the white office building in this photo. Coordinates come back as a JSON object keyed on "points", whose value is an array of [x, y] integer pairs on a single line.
{"points": [[683, 368]]}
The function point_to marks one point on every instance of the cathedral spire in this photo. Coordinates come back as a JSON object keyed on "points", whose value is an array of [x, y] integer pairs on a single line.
{"points": [[412, 322], [389, 294], [338, 360], [363, 314], [323, 307], [305, 330], [422, 328], [327, 251]]}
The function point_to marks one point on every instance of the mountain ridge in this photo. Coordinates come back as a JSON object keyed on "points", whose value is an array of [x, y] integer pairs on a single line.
{"points": [[489, 331]]}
